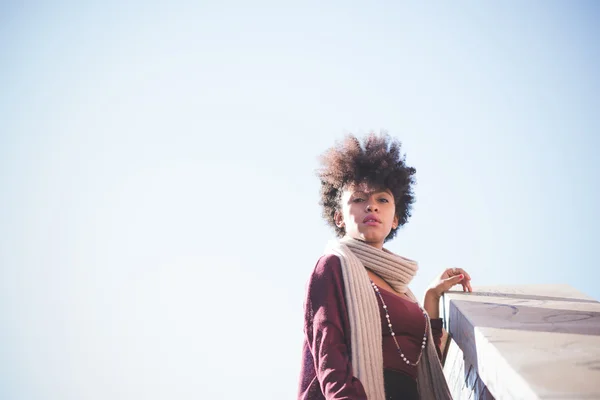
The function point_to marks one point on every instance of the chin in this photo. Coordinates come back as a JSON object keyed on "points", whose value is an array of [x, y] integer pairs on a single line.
{"points": [[372, 239]]}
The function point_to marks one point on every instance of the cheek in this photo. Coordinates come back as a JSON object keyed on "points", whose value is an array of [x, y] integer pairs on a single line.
{"points": [[392, 215], [345, 214], [352, 209]]}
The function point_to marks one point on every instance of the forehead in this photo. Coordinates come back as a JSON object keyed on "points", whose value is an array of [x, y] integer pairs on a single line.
{"points": [[365, 187]]}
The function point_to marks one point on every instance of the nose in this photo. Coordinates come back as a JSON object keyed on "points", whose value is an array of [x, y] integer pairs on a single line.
{"points": [[371, 206]]}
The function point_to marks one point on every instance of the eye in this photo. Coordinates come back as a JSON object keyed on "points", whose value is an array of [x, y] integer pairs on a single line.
{"points": [[357, 200], [384, 200]]}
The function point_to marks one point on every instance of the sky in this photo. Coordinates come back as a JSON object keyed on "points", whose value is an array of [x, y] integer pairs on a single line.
{"points": [[159, 212]]}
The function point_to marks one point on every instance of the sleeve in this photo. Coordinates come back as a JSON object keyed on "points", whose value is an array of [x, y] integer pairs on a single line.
{"points": [[327, 332], [436, 332]]}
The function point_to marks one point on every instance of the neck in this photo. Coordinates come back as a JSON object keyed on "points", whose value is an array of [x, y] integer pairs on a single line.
{"points": [[396, 270], [377, 245]]}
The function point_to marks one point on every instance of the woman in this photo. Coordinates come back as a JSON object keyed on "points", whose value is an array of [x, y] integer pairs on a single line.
{"points": [[366, 337]]}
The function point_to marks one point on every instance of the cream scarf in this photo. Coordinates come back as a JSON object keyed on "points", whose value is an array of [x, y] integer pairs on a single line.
{"points": [[365, 322]]}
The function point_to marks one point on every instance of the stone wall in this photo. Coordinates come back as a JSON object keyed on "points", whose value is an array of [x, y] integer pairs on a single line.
{"points": [[522, 342]]}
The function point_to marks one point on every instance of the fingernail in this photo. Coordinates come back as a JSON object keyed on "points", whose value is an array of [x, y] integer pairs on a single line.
{"points": [[461, 276]]}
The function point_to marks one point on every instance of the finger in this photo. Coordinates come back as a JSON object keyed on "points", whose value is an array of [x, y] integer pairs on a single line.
{"points": [[457, 275], [467, 281], [462, 271], [448, 272], [453, 280], [456, 278], [467, 285], [464, 282]]}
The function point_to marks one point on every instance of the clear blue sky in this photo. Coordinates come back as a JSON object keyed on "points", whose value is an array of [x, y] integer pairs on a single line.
{"points": [[159, 210]]}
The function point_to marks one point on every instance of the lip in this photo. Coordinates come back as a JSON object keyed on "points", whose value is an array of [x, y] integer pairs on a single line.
{"points": [[371, 220]]}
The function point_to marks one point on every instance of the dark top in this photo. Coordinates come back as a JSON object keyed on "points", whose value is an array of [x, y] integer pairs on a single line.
{"points": [[326, 371]]}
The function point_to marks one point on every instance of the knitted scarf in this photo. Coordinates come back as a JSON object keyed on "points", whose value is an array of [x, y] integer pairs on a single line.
{"points": [[365, 323]]}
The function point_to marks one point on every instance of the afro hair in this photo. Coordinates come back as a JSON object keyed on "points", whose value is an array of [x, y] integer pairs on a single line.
{"points": [[377, 161]]}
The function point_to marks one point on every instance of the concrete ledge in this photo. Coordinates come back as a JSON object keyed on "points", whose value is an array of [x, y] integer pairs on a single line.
{"points": [[523, 342]]}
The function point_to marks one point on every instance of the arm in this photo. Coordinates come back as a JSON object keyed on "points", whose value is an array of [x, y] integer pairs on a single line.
{"points": [[327, 332], [432, 306], [431, 303]]}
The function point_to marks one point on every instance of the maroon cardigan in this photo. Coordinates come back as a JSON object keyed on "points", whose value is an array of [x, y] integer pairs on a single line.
{"points": [[326, 371]]}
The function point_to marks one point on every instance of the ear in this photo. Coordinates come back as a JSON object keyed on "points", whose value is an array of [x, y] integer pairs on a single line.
{"points": [[395, 223], [339, 220]]}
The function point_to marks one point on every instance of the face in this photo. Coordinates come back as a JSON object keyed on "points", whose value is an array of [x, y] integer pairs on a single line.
{"points": [[367, 214]]}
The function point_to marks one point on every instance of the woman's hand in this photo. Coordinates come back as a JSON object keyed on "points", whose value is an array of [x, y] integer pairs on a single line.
{"points": [[449, 278]]}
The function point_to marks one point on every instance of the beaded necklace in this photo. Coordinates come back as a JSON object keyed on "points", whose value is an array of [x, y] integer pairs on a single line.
{"points": [[387, 316]]}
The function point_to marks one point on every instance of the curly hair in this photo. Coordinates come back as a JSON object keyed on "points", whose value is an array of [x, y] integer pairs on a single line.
{"points": [[376, 161]]}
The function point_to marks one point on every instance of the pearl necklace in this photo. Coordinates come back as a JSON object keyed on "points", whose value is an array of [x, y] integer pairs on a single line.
{"points": [[387, 316]]}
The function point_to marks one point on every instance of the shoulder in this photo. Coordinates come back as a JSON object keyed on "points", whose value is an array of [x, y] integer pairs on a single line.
{"points": [[325, 288], [327, 263], [328, 270]]}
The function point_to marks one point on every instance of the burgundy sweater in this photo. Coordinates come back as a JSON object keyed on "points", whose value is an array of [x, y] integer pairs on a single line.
{"points": [[326, 371]]}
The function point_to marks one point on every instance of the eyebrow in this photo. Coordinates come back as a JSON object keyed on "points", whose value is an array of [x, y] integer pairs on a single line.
{"points": [[370, 193]]}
